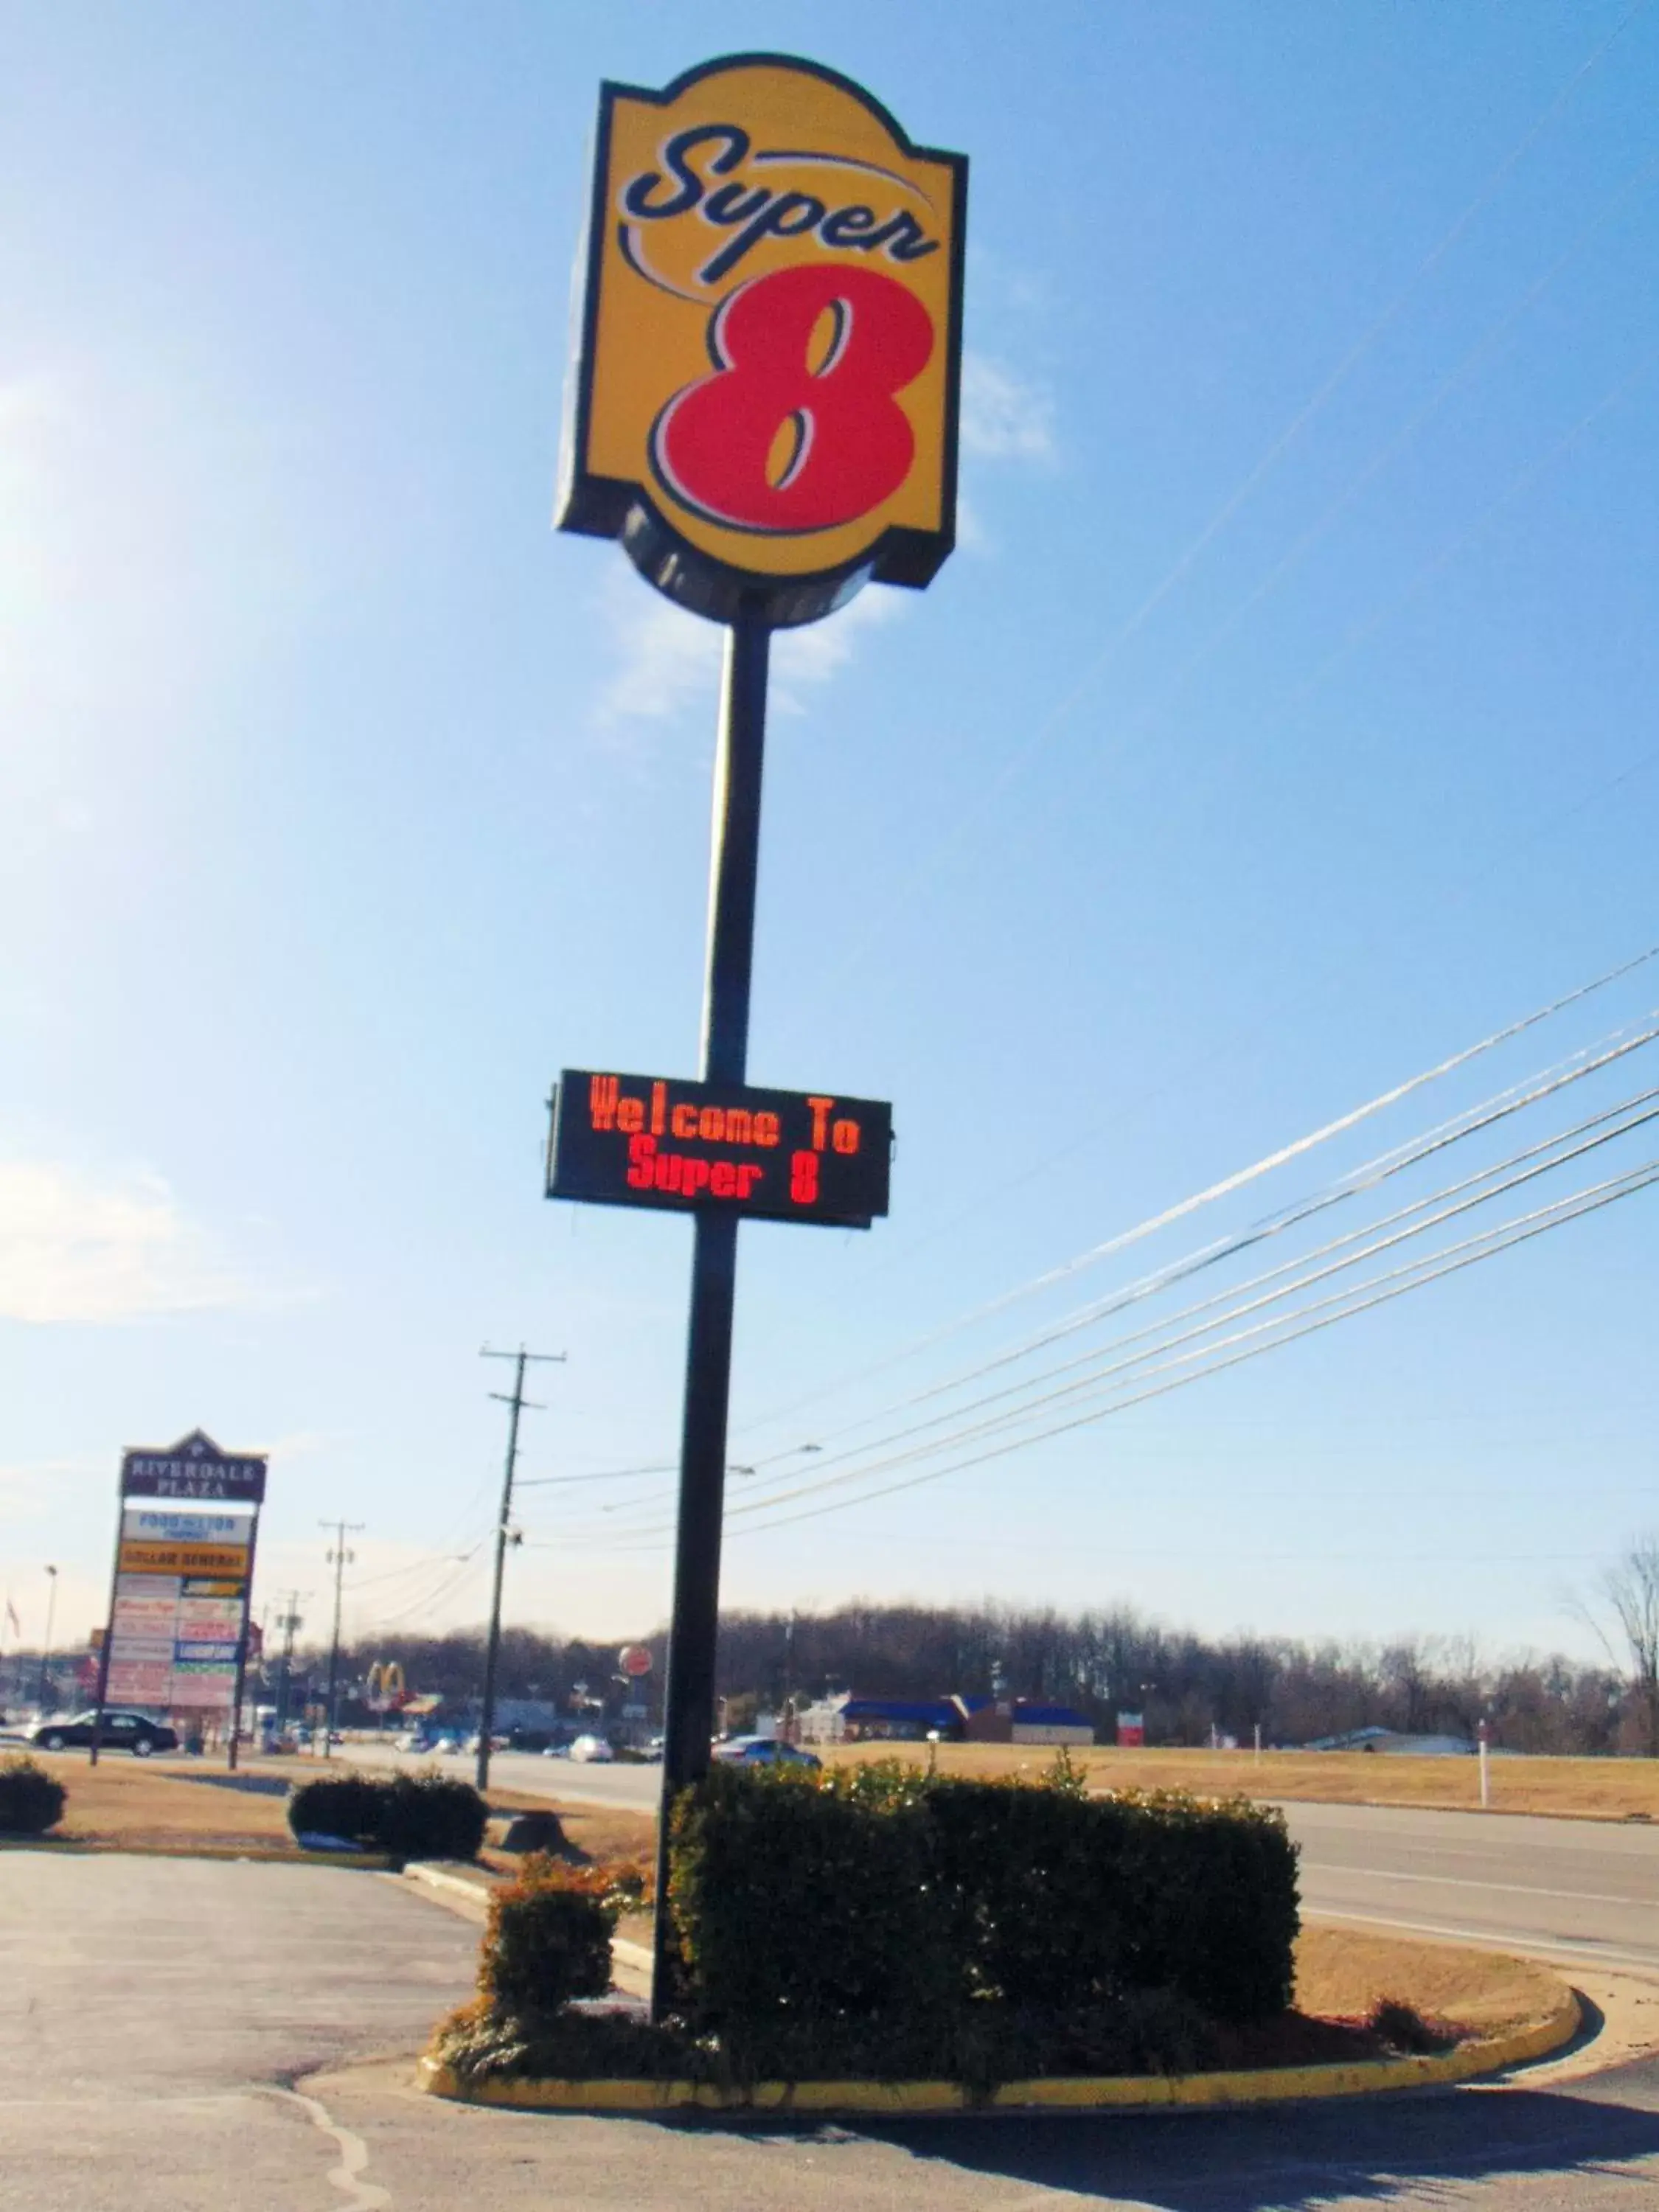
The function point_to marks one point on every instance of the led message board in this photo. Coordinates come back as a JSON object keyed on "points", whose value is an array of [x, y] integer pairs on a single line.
{"points": [[765, 399], [777, 1155]]}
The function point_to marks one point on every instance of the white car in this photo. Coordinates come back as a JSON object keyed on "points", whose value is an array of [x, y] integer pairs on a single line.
{"points": [[592, 1748]]}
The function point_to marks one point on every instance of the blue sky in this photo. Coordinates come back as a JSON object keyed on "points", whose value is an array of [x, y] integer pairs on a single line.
{"points": [[1283, 725]]}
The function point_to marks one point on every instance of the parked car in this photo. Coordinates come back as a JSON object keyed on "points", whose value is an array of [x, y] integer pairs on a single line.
{"points": [[592, 1748], [763, 1751], [133, 1732]]}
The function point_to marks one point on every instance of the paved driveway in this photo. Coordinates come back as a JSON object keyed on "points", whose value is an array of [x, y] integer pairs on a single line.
{"points": [[153, 2011], [155, 2016]]}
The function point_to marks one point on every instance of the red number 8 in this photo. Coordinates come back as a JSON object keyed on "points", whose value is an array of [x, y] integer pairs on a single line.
{"points": [[713, 444], [803, 1178]]}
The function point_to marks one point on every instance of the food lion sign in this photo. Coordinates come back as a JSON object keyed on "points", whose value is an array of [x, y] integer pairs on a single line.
{"points": [[765, 394]]}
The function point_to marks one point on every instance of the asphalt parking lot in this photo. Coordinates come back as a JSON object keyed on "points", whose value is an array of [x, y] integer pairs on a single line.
{"points": [[178, 2033], [152, 2007]]}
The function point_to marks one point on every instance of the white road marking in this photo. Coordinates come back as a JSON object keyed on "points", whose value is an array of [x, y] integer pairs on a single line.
{"points": [[1461, 1881], [364, 2195]]}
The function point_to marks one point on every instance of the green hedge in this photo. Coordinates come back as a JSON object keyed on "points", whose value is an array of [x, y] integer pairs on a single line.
{"points": [[877, 1893], [409, 1816], [31, 1799]]}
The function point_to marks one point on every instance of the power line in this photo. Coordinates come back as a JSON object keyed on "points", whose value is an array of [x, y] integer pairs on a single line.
{"points": [[1566, 1210], [1516, 1097], [1358, 1298], [1100, 1372], [601, 1474], [1091, 1362], [1229, 1184], [446, 1574], [1473, 1122], [444, 1588]]}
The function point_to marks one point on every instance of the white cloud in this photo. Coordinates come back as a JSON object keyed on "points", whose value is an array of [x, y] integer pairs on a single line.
{"points": [[813, 653], [27, 1486], [77, 1249], [670, 660], [972, 536], [1005, 416]]}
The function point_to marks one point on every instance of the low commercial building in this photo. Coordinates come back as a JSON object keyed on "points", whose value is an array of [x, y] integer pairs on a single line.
{"points": [[957, 1719]]}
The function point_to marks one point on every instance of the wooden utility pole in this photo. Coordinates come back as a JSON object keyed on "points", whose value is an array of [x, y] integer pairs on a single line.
{"points": [[516, 1403]]}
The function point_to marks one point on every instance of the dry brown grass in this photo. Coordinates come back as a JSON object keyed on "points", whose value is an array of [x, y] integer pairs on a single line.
{"points": [[149, 1804], [603, 1832], [1340, 1973], [1596, 1788], [154, 1804]]}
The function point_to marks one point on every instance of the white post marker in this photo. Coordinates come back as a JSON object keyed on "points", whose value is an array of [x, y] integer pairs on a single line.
{"points": [[1485, 1767]]}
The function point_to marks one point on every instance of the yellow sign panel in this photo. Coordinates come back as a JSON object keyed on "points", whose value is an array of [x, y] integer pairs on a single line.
{"points": [[765, 400], [227, 1560]]}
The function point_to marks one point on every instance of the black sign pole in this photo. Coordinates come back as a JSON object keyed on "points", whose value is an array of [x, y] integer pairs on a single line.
{"points": [[241, 1641], [689, 1699], [109, 1620]]}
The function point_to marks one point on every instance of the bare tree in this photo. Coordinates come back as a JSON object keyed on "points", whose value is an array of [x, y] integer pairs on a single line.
{"points": [[1629, 1589]]}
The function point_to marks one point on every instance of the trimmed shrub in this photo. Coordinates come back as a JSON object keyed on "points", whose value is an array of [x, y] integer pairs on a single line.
{"points": [[31, 1799], [408, 1816], [1211, 1897], [1036, 1905], [548, 1939], [343, 1805], [852, 1894], [432, 1816], [809, 1904]]}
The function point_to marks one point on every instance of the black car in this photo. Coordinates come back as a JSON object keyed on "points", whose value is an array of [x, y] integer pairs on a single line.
{"points": [[122, 1732]]}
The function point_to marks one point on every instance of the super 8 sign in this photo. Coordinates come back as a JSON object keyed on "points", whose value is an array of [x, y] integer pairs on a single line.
{"points": [[765, 394], [779, 1155]]}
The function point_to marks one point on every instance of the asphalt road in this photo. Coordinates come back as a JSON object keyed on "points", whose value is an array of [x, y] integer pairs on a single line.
{"points": [[1584, 1890], [158, 2019], [1573, 1891]]}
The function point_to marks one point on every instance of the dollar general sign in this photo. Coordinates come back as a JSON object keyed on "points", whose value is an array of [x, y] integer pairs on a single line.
{"points": [[765, 397]]}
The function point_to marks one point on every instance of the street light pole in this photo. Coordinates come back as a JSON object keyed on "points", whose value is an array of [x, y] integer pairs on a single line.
{"points": [[287, 1620], [46, 1652]]}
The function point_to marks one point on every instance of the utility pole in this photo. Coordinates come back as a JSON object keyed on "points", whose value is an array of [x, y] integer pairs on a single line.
{"points": [[289, 1621], [516, 1404], [339, 1558]]}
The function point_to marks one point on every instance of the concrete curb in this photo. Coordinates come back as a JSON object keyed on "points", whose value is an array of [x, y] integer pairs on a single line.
{"points": [[904, 2100], [475, 1895], [264, 1854]]}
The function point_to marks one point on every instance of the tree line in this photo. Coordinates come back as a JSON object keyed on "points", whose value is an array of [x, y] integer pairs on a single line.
{"points": [[1191, 1688]]}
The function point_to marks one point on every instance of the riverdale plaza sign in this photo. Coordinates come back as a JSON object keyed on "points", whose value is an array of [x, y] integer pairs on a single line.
{"points": [[765, 401]]}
